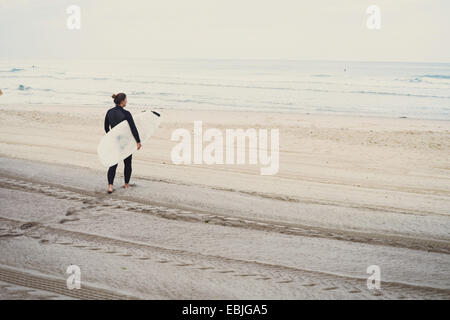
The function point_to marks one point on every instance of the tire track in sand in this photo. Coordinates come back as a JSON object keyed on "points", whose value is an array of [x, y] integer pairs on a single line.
{"points": [[317, 283], [54, 285], [143, 207]]}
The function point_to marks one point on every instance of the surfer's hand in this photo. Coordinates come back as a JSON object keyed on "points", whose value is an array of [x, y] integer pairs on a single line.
{"points": [[139, 145]]}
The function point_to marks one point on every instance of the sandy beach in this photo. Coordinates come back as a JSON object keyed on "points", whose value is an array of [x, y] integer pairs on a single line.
{"points": [[350, 192]]}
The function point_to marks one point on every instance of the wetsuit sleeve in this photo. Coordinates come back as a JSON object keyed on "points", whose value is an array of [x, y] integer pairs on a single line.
{"points": [[106, 123], [133, 128]]}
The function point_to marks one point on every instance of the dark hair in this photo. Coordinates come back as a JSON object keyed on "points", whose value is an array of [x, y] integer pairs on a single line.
{"points": [[118, 98]]}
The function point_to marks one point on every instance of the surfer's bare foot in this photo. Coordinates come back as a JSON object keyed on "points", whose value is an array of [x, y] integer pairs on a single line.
{"points": [[126, 186], [110, 188]]}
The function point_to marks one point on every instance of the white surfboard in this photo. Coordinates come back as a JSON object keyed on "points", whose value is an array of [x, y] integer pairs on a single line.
{"points": [[119, 142]]}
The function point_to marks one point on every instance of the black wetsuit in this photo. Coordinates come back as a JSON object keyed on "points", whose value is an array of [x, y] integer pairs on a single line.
{"points": [[113, 117]]}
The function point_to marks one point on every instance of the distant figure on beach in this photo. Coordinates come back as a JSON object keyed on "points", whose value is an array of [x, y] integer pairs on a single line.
{"points": [[113, 117]]}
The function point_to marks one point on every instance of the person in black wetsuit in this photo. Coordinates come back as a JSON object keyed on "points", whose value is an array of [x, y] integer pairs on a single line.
{"points": [[113, 117]]}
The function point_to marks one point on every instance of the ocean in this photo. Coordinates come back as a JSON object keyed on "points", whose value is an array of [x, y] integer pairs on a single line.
{"points": [[384, 89]]}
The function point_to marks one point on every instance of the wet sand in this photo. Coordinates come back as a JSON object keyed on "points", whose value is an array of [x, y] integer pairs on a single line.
{"points": [[351, 192]]}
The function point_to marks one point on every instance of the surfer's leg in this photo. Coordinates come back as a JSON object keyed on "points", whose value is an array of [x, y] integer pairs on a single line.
{"points": [[127, 170], [111, 174]]}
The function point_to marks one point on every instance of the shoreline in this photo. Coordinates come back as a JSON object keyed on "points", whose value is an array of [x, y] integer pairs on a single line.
{"points": [[350, 115]]}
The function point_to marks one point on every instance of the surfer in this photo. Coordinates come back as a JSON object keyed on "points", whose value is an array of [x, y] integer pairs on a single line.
{"points": [[113, 117]]}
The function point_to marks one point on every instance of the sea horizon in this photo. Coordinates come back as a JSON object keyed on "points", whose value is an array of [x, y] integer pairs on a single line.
{"points": [[383, 89]]}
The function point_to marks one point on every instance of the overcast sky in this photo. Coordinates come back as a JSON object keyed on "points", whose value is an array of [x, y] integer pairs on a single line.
{"points": [[411, 30]]}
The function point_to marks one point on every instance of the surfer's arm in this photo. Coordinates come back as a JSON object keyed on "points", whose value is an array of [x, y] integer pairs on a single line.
{"points": [[133, 128], [106, 123]]}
